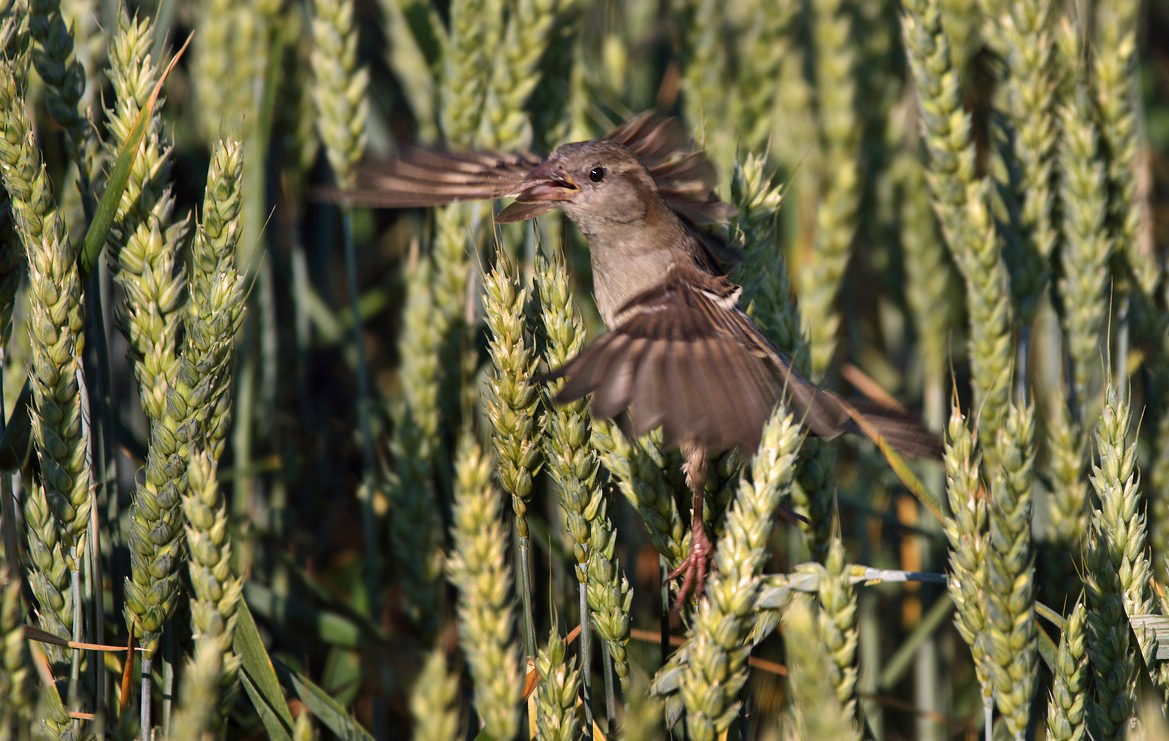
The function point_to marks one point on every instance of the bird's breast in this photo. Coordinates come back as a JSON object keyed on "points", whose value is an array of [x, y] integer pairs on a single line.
{"points": [[620, 274]]}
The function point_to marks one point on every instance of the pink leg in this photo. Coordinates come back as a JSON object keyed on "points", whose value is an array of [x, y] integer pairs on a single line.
{"points": [[694, 567]]}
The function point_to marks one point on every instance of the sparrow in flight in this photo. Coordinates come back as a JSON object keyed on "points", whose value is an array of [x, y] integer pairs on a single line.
{"points": [[680, 352]]}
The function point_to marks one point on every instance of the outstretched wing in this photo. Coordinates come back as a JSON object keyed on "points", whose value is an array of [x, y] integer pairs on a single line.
{"points": [[422, 177], [684, 356]]}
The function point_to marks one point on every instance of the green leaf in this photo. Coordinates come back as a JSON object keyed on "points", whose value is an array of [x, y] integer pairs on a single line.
{"points": [[268, 716], [323, 707], [259, 677], [333, 629], [16, 440], [1047, 648]]}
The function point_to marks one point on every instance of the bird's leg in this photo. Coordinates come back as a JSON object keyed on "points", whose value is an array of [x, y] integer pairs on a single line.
{"points": [[693, 568]]}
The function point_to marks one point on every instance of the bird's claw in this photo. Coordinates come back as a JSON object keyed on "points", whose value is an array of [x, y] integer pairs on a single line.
{"points": [[692, 569]]}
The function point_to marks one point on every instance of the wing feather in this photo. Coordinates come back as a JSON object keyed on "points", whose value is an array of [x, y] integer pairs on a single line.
{"points": [[696, 372], [423, 177], [700, 368]]}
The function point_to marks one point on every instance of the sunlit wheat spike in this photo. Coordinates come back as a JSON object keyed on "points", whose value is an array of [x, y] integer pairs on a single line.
{"points": [[1010, 607], [339, 87], [60, 69], [145, 240], [1026, 130], [557, 694], [817, 710], [57, 506], [512, 404], [572, 461], [836, 623], [434, 700], [216, 299], [29, 192], [473, 35], [960, 200], [514, 397], [609, 594], [415, 528], [966, 530], [641, 478], [195, 410], [216, 590], [134, 71], [1114, 71], [515, 73], [1116, 571], [18, 706], [1086, 245], [55, 323], [769, 299], [839, 187], [1120, 535], [718, 647], [1067, 705], [570, 458], [478, 567], [766, 288]]}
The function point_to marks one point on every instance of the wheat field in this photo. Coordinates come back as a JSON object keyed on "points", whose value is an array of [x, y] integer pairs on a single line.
{"points": [[272, 467]]}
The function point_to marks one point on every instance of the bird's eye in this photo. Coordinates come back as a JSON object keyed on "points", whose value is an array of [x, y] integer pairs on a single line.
{"points": [[597, 174]]}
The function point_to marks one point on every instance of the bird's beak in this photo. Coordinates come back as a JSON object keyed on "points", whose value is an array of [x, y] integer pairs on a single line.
{"points": [[548, 182]]}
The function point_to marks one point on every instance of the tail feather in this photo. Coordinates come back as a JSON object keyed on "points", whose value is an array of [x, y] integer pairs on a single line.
{"points": [[901, 430]]}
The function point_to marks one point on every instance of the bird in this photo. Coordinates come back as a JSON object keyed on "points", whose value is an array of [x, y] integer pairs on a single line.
{"points": [[680, 352]]}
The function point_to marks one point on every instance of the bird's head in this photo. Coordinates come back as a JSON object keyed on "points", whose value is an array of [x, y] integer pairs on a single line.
{"points": [[598, 184]]}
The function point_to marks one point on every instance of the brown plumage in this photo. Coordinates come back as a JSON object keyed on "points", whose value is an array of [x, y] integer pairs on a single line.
{"points": [[681, 353]]}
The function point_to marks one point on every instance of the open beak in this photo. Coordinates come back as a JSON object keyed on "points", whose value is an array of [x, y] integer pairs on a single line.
{"points": [[548, 182]]}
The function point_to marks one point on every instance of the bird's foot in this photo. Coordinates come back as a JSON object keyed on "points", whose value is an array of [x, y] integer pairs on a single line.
{"points": [[693, 568]]}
